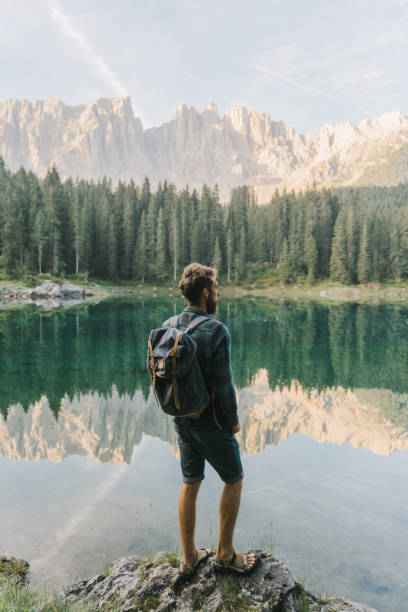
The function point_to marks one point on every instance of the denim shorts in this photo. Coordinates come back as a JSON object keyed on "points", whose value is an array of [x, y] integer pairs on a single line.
{"points": [[201, 440]]}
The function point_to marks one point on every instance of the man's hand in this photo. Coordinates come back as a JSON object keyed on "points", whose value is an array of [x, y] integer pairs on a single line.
{"points": [[236, 428]]}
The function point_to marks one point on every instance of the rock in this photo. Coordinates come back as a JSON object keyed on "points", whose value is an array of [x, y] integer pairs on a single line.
{"points": [[55, 292], [71, 291], [44, 290], [134, 584], [88, 292], [11, 566]]}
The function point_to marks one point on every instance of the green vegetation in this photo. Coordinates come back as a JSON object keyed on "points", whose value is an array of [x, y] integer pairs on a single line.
{"points": [[16, 568], [130, 233], [170, 557], [234, 599], [17, 598], [145, 605], [302, 600]]}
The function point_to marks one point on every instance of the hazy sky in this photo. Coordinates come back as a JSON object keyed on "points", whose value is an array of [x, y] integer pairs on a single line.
{"points": [[305, 62]]}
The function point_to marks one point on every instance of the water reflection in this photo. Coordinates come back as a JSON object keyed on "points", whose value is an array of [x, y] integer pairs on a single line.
{"points": [[75, 382], [107, 428], [90, 349]]}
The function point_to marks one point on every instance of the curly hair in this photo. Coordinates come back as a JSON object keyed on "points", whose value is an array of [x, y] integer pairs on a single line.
{"points": [[195, 278]]}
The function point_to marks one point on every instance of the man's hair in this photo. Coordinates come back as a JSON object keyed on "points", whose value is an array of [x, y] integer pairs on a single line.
{"points": [[195, 278]]}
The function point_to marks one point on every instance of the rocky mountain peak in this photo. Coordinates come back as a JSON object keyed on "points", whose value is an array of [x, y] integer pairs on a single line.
{"points": [[103, 137]]}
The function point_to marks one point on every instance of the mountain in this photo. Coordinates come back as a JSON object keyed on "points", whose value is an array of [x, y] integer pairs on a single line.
{"points": [[107, 429], [103, 137]]}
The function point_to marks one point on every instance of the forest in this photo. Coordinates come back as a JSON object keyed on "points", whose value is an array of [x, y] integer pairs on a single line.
{"points": [[130, 232]]}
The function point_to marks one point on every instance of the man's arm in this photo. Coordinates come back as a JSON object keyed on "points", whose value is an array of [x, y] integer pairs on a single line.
{"points": [[225, 397]]}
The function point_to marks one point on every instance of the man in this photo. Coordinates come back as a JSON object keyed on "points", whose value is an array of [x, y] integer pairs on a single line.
{"points": [[211, 436]]}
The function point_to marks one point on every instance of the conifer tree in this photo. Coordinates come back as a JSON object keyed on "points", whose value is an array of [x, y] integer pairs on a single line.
{"points": [[284, 267], [311, 256], [217, 259], [139, 258], [10, 251], [40, 236], [160, 255], [230, 254], [364, 263], [338, 260]]}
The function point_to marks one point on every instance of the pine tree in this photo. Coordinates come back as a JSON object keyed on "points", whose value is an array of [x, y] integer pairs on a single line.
{"points": [[311, 257], [54, 204], [139, 258], [338, 260], [284, 267], [230, 254], [10, 252], [112, 247], [364, 262], [40, 236], [242, 255], [217, 259], [160, 256], [86, 236]]}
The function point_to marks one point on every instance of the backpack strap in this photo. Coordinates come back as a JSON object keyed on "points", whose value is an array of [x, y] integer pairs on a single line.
{"points": [[196, 322]]}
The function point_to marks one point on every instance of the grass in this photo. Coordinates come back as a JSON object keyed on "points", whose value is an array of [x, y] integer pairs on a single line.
{"points": [[16, 568], [15, 597], [145, 605], [172, 557], [302, 602], [234, 599]]}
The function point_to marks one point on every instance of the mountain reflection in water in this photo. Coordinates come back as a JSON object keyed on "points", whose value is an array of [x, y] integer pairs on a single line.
{"points": [[108, 428]]}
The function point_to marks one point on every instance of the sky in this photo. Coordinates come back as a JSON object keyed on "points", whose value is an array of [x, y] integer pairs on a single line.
{"points": [[307, 63]]}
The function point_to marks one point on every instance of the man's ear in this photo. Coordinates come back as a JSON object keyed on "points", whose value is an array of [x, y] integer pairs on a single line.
{"points": [[205, 292]]}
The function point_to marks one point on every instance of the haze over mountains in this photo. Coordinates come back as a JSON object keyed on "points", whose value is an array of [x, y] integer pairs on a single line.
{"points": [[104, 138]]}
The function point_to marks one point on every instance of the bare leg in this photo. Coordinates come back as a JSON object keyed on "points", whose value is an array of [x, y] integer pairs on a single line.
{"points": [[229, 508], [187, 518]]}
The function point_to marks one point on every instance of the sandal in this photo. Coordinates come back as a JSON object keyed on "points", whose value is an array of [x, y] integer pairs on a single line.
{"points": [[235, 567], [189, 570]]}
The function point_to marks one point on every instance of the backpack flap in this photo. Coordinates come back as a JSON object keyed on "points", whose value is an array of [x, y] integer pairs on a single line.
{"points": [[171, 352]]}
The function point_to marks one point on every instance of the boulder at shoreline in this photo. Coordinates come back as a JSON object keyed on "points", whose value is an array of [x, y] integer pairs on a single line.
{"points": [[136, 584], [48, 289]]}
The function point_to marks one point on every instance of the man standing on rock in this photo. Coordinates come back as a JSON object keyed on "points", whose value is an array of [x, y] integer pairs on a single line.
{"points": [[210, 436]]}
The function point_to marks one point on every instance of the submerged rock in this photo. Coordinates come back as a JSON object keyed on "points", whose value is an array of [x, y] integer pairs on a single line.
{"points": [[135, 584]]}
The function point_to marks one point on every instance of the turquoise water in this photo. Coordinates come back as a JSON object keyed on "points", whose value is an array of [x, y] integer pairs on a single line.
{"points": [[88, 464]]}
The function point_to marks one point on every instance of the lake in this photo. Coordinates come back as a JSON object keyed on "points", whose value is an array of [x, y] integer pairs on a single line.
{"points": [[89, 469]]}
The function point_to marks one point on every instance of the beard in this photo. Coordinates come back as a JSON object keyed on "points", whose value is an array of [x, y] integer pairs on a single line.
{"points": [[212, 304]]}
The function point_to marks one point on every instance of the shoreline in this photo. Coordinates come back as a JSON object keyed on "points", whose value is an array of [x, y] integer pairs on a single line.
{"points": [[13, 294]]}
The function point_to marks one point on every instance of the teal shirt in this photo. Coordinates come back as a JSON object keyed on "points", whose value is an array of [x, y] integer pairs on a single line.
{"points": [[214, 356]]}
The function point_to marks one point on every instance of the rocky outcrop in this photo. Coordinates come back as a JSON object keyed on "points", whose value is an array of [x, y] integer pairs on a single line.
{"points": [[134, 584], [103, 137], [12, 567], [52, 290]]}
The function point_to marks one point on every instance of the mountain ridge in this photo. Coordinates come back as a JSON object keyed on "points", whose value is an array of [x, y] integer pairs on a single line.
{"points": [[103, 137]]}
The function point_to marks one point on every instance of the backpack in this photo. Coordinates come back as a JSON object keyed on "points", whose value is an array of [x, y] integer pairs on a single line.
{"points": [[178, 383]]}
